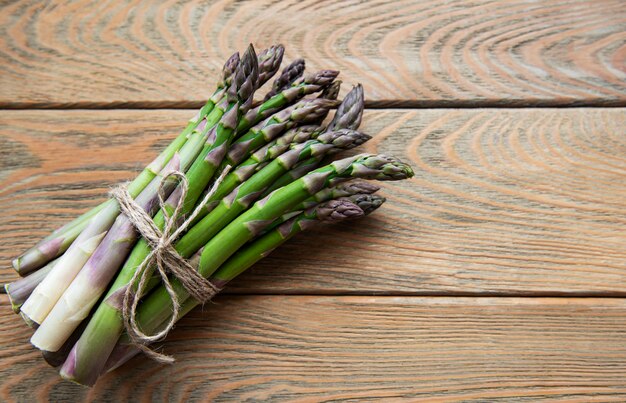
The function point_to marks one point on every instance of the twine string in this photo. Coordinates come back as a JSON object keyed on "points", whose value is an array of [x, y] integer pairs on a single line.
{"points": [[164, 257]]}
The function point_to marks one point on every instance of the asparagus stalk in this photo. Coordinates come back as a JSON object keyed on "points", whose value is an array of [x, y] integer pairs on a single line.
{"points": [[199, 176], [48, 292], [301, 169], [93, 279], [348, 116], [341, 190], [106, 325], [241, 198], [255, 162], [60, 240], [228, 72], [19, 290], [301, 87], [54, 244], [344, 189], [291, 73], [252, 222], [305, 111], [329, 212]]}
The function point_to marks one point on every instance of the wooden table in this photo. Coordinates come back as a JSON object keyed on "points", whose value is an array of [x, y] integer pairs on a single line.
{"points": [[497, 273]]}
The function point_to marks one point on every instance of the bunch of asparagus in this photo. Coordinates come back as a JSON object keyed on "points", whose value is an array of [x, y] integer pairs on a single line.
{"points": [[277, 179]]}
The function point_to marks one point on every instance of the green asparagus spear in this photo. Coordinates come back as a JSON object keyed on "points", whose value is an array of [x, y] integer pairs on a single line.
{"points": [[258, 160], [305, 111], [301, 87], [56, 243], [241, 198], [347, 116], [329, 212], [249, 224], [106, 324], [345, 189]]}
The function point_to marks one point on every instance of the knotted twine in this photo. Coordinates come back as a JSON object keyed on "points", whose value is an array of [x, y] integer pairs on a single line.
{"points": [[165, 257]]}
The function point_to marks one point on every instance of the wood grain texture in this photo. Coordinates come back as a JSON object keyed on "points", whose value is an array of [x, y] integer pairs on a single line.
{"points": [[295, 348], [418, 53], [506, 202]]}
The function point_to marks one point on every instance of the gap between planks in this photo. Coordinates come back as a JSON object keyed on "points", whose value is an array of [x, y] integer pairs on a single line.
{"points": [[452, 294], [380, 104]]}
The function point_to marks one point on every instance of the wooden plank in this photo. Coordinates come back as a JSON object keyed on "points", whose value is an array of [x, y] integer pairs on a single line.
{"points": [[297, 348], [507, 202], [100, 54]]}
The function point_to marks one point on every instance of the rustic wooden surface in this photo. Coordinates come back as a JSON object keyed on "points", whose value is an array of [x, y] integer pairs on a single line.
{"points": [[284, 348], [497, 273], [523, 201], [161, 53]]}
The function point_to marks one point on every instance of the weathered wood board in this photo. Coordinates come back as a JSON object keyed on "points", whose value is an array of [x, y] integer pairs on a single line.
{"points": [[505, 202], [429, 53], [285, 348]]}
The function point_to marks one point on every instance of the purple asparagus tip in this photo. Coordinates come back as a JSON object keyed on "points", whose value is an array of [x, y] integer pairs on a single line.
{"points": [[245, 80], [229, 70], [321, 78], [269, 61], [332, 91], [290, 74], [366, 202], [337, 210], [344, 139], [350, 112]]}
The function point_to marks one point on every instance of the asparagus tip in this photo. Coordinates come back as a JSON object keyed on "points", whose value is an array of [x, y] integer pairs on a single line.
{"points": [[246, 79], [367, 202], [332, 91], [229, 68], [289, 74], [311, 110], [322, 77], [350, 112], [337, 210], [382, 167], [344, 139], [269, 61]]}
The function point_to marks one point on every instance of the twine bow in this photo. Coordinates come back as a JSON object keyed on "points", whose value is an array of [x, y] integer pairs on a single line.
{"points": [[164, 257]]}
